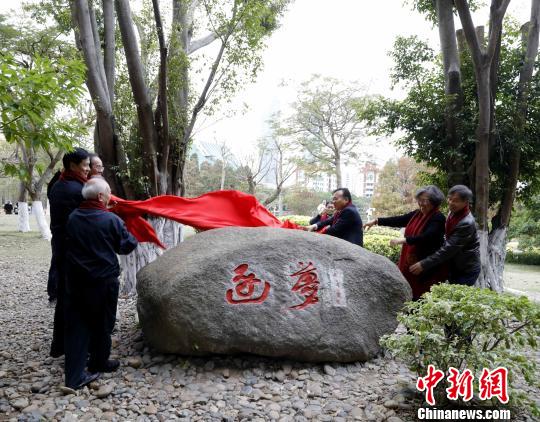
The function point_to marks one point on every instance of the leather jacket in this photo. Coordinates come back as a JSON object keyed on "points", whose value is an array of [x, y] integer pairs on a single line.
{"points": [[461, 249]]}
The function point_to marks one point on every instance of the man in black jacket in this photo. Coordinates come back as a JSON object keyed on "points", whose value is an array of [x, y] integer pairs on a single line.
{"points": [[346, 222], [461, 249], [94, 236]]}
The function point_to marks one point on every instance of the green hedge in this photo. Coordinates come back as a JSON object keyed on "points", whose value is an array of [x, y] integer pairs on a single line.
{"points": [[524, 258], [380, 244], [302, 220]]}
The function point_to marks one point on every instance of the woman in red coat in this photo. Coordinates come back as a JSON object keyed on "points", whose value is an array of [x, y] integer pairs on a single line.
{"points": [[424, 235]]}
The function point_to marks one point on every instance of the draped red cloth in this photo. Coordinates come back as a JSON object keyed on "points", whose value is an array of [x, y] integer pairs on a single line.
{"points": [[212, 210]]}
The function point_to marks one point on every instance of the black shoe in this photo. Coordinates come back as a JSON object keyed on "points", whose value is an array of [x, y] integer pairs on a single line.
{"points": [[110, 366], [87, 379]]}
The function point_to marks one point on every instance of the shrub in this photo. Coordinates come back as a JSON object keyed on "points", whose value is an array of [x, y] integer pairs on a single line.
{"points": [[470, 328], [301, 220], [380, 244], [531, 257], [386, 231]]}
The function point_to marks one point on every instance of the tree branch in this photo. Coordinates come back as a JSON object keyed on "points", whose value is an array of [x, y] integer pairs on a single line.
{"points": [[475, 48], [201, 42], [495, 27], [108, 25]]}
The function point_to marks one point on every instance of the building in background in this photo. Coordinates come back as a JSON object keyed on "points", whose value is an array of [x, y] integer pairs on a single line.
{"points": [[359, 179], [368, 177]]}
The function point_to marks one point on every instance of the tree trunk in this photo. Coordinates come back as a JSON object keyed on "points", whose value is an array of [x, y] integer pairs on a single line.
{"points": [[22, 205], [482, 57], [452, 74], [530, 40], [39, 215], [179, 95], [251, 183], [223, 173], [274, 196], [482, 176], [170, 233], [99, 77], [337, 163], [141, 96]]}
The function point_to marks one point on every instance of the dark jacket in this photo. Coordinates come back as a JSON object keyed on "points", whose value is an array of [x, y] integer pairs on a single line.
{"points": [[427, 242], [64, 197], [318, 219], [346, 225], [461, 249], [94, 238]]}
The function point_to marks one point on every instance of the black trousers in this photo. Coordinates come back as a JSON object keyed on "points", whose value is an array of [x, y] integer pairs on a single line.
{"points": [[59, 257], [90, 315], [52, 282]]}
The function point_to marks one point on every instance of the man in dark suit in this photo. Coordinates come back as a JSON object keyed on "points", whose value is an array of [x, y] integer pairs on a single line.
{"points": [[346, 222], [95, 236]]}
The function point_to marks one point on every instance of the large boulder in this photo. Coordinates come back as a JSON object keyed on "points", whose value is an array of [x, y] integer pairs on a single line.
{"points": [[272, 292]]}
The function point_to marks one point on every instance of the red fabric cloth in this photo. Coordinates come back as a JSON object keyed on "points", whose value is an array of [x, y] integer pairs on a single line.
{"points": [[408, 257], [209, 211], [71, 175], [454, 218], [93, 204]]}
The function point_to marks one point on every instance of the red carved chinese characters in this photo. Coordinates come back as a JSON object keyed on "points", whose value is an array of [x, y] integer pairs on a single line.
{"points": [[244, 289], [494, 384], [429, 382], [307, 285], [460, 384]]}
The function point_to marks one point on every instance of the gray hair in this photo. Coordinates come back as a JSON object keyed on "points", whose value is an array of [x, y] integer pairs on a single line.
{"points": [[435, 195], [463, 192], [94, 187]]}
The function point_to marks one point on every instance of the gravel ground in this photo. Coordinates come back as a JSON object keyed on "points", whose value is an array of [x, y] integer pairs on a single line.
{"points": [[152, 386]]}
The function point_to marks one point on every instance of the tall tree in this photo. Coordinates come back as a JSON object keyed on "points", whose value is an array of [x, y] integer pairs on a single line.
{"points": [[237, 27], [169, 103], [256, 166], [484, 61], [32, 94], [325, 122], [396, 186], [515, 127]]}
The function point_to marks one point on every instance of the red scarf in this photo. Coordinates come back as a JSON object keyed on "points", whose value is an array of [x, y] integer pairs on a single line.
{"points": [[454, 218], [408, 255], [71, 175], [93, 204]]}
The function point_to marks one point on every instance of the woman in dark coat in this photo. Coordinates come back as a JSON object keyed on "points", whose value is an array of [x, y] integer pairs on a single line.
{"points": [[64, 197], [424, 235]]}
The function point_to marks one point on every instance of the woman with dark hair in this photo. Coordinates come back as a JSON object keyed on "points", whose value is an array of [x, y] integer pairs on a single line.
{"points": [[424, 234], [65, 195]]}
